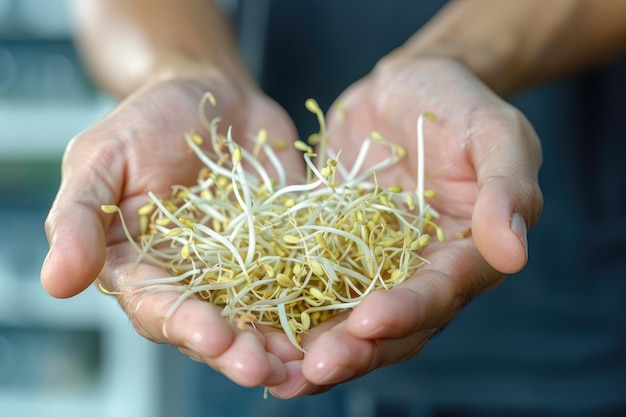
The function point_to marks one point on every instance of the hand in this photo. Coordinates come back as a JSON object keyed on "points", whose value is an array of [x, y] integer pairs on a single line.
{"points": [[138, 148], [482, 159]]}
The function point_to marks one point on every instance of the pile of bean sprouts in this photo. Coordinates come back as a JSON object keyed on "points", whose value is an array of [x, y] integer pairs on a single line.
{"points": [[284, 255]]}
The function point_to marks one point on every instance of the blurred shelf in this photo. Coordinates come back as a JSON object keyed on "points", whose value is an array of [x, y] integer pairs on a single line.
{"points": [[35, 19], [46, 97], [58, 358], [71, 357], [36, 131]]}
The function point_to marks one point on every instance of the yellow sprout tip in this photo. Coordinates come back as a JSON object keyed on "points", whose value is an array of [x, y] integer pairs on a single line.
{"points": [[262, 135], [196, 138], [314, 139], [280, 145], [237, 154], [430, 193], [212, 99], [430, 116], [312, 106], [109, 208], [301, 146], [377, 136]]}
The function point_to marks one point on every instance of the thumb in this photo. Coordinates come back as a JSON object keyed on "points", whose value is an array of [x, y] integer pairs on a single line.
{"points": [[509, 200], [75, 225]]}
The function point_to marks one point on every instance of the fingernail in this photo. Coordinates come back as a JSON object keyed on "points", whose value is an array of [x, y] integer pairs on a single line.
{"points": [[191, 353], [336, 375], [304, 388], [295, 384], [518, 225]]}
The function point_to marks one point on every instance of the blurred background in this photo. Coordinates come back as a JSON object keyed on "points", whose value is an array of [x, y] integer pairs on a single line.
{"points": [[81, 357], [77, 357]]}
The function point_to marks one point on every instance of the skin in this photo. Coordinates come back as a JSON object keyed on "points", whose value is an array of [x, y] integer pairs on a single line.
{"points": [[483, 159]]}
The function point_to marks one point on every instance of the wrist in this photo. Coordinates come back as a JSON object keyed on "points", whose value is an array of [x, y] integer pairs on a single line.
{"points": [[128, 44], [484, 62], [509, 45], [212, 72]]}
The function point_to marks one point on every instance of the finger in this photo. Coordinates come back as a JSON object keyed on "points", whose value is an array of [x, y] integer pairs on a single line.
{"points": [[195, 326], [278, 344], [428, 300], [75, 225], [509, 200], [294, 385], [240, 362], [239, 354], [390, 326], [337, 356], [246, 363]]}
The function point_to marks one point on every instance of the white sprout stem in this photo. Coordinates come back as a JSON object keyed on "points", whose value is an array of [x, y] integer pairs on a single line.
{"points": [[315, 171], [201, 114], [246, 202], [284, 322], [359, 242], [278, 166], [133, 243], [208, 207], [219, 285], [161, 281], [206, 160], [254, 162], [177, 304], [224, 242], [294, 189], [165, 211], [247, 209], [365, 147], [376, 168], [420, 165]]}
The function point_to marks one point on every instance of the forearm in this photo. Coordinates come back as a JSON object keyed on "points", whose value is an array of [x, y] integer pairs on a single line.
{"points": [[516, 44], [127, 42]]}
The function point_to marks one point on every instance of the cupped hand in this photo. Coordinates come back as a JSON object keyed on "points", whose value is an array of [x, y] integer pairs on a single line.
{"points": [[482, 158], [138, 148]]}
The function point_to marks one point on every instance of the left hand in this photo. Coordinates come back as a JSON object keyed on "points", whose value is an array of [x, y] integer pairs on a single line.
{"points": [[482, 157], [139, 148]]}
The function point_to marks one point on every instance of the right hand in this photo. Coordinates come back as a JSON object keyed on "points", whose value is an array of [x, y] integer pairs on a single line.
{"points": [[482, 157]]}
